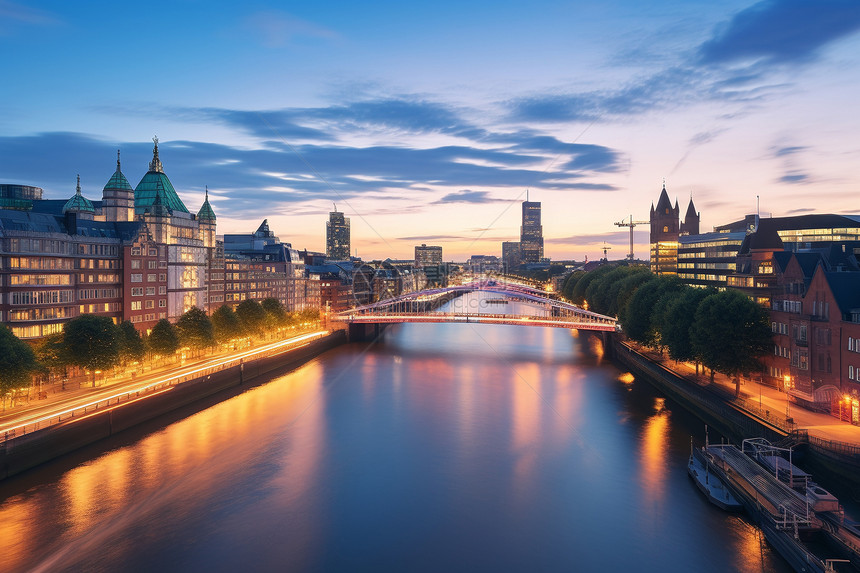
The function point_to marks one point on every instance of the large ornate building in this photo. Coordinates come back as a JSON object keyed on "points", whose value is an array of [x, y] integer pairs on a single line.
{"points": [[137, 255]]}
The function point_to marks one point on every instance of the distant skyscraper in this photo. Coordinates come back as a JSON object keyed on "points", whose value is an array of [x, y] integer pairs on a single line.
{"points": [[531, 233], [428, 256], [337, 236], [511, 256]]}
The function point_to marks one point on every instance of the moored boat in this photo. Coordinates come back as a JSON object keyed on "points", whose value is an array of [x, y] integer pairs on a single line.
{"points": [[709, 484]]}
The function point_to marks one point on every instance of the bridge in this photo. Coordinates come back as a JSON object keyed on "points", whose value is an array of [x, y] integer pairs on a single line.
{"points": [[419, 307]]}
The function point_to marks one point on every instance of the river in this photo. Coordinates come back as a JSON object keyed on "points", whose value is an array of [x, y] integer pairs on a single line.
{"points": [[449, 447]]}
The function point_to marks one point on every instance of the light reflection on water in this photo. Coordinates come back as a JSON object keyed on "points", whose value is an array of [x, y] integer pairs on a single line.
{"points": [[449, 447]]}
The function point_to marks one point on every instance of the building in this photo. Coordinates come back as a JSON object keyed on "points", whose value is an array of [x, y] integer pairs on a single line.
{"points": [[479, 264], [428, 256], [531, 233], [136, 255], [337, 246], [511, 255], [708, 259], [260, 266], [666, 228]]}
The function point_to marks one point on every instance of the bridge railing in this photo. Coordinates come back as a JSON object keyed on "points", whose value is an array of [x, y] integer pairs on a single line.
{"points": [[577, 319]]}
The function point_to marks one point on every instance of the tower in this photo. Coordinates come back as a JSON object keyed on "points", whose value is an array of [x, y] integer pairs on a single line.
{"points": [[337, 236], [664, 235], [690, 226], [118, 196], [206, 220], [531, 233]]}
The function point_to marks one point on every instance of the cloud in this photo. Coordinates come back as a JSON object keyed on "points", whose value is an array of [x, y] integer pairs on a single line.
{"points": [[800, 211], [274, 28], [781, 31], [610, 238], [250, 182], [791, 150], [467, 196], [14, 15], [795, 178]]}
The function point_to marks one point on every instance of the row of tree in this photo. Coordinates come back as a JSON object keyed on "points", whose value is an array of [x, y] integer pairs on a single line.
{"points": [[95, 343], [723, 330]]}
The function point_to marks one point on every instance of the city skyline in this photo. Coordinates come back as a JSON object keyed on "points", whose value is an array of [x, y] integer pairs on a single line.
{"points": [[423, 141]]}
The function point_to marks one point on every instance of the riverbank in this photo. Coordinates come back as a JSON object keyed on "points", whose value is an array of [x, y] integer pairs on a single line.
{"points": [[740, 418], [20, 453]]}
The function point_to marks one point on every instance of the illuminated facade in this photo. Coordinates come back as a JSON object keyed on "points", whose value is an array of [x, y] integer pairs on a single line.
{"points": [[531, 233], [137, 255], [337, 237], [428, 256]]}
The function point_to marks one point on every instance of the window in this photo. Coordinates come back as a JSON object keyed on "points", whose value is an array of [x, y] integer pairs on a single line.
{"points": [[135, 263], [150, 304], [162, 303], [665, 229], [150, 291], [162, 277], [151, 264], [851, 373], [135, 251], [136, 291], [162, 290], [136, 278], [150, 278], [135, 305], [153, 253]]}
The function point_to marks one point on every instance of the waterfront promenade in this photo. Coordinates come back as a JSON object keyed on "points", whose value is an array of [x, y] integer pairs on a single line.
{"points": [[62, 405], [759, 400]]}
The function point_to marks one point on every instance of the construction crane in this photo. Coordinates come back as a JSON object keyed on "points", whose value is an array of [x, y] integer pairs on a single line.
{"points": [[605, 248], [631, 224]]}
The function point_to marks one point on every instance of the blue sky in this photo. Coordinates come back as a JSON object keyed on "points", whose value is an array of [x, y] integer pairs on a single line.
{"points": [[428, 122]]}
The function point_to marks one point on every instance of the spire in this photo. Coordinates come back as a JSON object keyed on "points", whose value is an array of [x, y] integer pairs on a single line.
{"points": [[206, 213], [78, 188], [118, 169], [155, 164]]}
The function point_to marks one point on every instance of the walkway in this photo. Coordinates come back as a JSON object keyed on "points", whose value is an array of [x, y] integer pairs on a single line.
{"points": [[773, 400]]}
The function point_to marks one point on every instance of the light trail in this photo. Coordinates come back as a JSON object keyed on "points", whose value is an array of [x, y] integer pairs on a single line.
{"points": [[170, 380]]}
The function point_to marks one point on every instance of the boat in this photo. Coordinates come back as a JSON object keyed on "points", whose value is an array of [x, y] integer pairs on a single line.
{"points": [[709, 484]]}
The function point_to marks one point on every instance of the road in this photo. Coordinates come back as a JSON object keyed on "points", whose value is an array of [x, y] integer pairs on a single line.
{"points": [[61, 406]]}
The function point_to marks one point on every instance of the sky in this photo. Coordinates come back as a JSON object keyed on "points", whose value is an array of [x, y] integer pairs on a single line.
{"points": [[430, 122]]}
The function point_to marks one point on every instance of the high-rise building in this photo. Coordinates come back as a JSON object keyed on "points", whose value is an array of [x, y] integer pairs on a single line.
{"points": [[427, 256], [337, 236], [531, 233], [511, 256]]}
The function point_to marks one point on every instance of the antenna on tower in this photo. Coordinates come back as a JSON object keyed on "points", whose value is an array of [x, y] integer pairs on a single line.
{"points": [[335, 206]]}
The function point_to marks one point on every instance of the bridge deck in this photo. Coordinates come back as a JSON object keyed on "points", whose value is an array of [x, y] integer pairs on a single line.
{"points": [[446, 317]]}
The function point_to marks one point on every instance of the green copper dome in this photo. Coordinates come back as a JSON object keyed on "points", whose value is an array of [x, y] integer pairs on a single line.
{"points": [[145, 192], [78, 202], [206, 213], [118, 180]]}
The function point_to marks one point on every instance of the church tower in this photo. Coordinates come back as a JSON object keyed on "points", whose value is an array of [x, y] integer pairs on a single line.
{"points": [[665, 229], [206, 220], [690, 226]]}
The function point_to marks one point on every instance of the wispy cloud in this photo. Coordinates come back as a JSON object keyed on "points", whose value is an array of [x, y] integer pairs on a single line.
{"points": [[781, 31], [13, 16], [275, 28], [467, 196]]}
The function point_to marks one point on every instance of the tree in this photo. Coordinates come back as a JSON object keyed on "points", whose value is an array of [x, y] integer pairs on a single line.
{"points": [[730, 332], [163, 340], [276, 314], [641, 320], [225, 324], [627, 288], [51, 354], [132, 347], [309, 315], [578, 294], [92, 342], [195, 329], [570, 283], [677, 321], [17, 361], [251, 315]]}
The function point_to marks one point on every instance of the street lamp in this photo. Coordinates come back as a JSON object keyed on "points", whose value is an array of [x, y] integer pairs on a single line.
{"points": [[787, 384]]}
